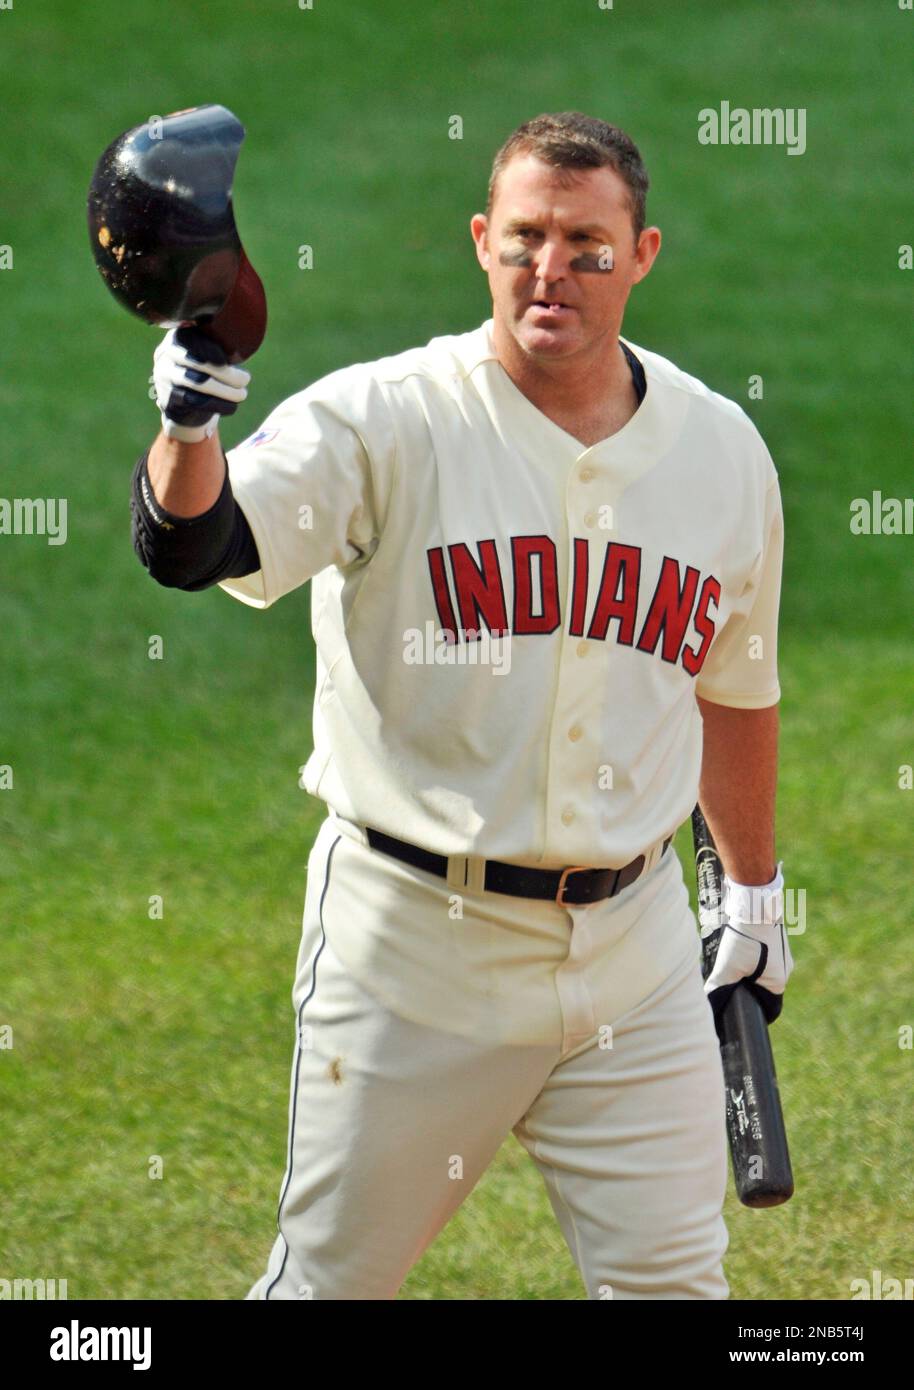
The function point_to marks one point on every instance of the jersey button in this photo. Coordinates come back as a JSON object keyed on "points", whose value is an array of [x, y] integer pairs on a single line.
{"points": [[581, 648], [567, 816], [587, 474], [575, 732], [590, 519]]}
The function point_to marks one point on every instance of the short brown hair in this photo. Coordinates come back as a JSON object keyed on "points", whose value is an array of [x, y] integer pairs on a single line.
{"points": [[571, 140]]}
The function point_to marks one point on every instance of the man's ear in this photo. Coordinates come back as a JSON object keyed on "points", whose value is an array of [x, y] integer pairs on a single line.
{"points": [[479, 230], [646, 252]]}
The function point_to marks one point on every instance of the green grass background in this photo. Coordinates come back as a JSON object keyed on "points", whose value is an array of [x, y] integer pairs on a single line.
{"points": [[132, 777]]}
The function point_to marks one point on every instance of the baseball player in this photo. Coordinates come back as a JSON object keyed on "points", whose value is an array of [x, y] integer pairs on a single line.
{"points": [[545, 568]]}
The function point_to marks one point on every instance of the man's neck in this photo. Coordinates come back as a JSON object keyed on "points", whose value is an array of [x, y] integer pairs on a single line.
{"points": [[585, 383], [589, 395]]}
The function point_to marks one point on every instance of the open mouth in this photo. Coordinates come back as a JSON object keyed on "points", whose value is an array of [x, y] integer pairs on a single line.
{"points": [[554, 308]]}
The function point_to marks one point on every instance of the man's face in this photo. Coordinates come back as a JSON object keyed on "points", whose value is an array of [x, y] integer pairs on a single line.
{"points": [[572, 248]]}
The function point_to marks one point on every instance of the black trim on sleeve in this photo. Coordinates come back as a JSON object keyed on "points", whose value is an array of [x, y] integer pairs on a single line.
{"points": [[192, 552]]}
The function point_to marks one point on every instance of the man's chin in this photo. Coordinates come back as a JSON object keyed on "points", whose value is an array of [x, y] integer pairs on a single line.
{"points": [[548, 340], [534, 338]]}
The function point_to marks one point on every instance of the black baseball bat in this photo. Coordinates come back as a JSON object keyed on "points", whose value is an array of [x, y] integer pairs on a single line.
{"points": [[755, 1120]]}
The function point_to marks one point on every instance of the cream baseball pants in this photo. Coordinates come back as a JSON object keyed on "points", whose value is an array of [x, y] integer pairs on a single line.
{"points": [[431, 1023]]}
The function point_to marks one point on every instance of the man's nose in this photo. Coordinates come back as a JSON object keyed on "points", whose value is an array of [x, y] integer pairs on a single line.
{"points": [[551, 261]]}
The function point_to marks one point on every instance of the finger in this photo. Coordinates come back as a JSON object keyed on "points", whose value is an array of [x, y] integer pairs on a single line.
{"points": [[209, 385], [739, 955], [199, 344], [171, 352], [777, 971], [181, 398], [759, 971], [174, 374], [229, 376], [771, 1003], [719, 998]]}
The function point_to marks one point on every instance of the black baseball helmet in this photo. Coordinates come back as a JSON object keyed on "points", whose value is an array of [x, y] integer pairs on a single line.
{"points": [[163, 232]]}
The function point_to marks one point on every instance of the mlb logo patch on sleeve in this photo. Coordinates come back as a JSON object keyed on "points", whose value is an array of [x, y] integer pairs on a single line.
{"points": [[261, 437]]}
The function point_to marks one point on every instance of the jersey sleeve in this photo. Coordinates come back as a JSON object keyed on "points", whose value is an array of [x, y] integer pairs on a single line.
{"points": [[313, 482], [742, 668]]}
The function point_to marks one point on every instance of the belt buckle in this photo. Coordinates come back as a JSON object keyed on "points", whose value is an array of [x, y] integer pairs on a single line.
{"points": [[574, 869]]}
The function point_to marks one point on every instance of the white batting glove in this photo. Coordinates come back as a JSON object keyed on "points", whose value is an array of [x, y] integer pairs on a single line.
{"points": [[747, 942], [194, 384]]}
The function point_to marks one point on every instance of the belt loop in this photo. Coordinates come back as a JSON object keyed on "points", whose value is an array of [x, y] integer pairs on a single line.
{"points": [[353, 829], [652, 858], [466, 872]]}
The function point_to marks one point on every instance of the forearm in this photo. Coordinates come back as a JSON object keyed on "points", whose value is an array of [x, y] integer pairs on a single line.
{"points": [[738, 788], [190, 552], [187, 528], [186, 478]]}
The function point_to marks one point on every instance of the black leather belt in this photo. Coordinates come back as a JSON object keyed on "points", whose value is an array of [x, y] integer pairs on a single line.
{"points": [[587, 886]]}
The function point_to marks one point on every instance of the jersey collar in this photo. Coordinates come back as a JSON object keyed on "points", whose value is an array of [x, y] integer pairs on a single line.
{"points": [[641, 442]]}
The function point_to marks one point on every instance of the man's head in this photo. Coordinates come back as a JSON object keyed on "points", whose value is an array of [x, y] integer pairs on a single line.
{"points": [[564, 226]]}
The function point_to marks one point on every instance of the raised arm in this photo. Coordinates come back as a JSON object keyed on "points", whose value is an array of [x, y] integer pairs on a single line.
{"points": [[186, 478], [188, 530]]}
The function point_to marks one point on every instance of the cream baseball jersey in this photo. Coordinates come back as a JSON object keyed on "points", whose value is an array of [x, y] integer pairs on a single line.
{"points": [[511, 628]]}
